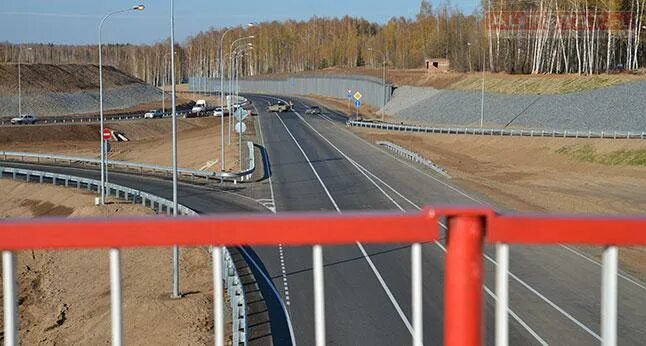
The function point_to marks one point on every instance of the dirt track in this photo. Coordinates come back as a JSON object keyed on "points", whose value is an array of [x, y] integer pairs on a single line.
{"points": [[65, 297]]}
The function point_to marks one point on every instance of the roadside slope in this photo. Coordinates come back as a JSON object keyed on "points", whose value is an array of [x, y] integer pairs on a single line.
{"points": [[49, 90]]}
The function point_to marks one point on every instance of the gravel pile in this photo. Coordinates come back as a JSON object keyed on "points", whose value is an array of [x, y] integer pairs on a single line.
{"points": [[59, 103], [620, 108]]}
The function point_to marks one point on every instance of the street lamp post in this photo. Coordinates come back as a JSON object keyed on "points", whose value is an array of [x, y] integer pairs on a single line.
{"points": [[19, 86], [383, 112], [103, 172], [222, 94], [239, 55], [231, 52]]}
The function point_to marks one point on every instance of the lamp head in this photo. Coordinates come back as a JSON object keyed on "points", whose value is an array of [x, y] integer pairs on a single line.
{"points": [[138, 7]]}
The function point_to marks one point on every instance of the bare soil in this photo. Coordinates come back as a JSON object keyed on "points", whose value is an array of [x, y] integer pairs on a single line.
{"points": [[198, 141], [65, 295], [38, 78], [532, 175]]}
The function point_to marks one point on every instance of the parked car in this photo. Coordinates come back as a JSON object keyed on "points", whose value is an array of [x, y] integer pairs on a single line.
{"points": [[199, 107], [153, 113], [313, 110], [24, 119], [218, 112]]}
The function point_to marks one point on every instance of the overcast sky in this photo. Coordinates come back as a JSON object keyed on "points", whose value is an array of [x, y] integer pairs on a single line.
{"points": [[76, 21]]}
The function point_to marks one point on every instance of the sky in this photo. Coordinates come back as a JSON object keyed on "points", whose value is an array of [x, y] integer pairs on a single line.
{"points": [[76, 21]]}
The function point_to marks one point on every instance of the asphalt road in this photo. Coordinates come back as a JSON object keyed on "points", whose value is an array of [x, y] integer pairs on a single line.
{"points": [[318, 165], [554, 292]]}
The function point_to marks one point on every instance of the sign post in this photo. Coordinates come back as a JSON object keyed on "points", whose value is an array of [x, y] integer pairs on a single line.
{"points": [[357, 103], [349, 100], [106, 135]]}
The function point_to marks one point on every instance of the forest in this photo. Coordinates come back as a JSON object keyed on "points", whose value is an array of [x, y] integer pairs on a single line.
{"points": [[513, 36]]}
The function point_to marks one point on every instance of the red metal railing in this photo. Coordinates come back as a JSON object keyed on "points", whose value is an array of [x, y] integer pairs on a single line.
{"points": [[468, 230]]}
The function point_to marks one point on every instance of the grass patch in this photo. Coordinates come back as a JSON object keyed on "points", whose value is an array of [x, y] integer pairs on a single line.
{"points": [[588, 153]]}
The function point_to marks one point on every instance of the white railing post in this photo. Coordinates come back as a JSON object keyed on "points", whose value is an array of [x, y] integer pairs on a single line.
{"points": [[502, 294], [319, 295], [218, 297], [115, 297], [417, 302], [10, 300], [609, 297]]}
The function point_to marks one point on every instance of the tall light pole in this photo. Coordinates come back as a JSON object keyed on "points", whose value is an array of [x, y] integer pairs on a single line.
{"points": [[19, 87], [482, 93], [383, 81], [134, 8], [230, 85], [469, 49], [231, 52], [240, 54], [164, 82], [250, 25], [115, 255], [175, 293]]}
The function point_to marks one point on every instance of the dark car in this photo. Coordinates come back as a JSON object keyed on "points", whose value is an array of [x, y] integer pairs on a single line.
{"points": [[313, 110]]}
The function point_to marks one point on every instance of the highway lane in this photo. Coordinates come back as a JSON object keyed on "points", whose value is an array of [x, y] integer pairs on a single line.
{"points": [[557, 292], [560, 288], [350, 190]]}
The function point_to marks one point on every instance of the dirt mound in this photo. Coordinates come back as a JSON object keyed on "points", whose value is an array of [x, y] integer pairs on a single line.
{"points": [[39, 78]]}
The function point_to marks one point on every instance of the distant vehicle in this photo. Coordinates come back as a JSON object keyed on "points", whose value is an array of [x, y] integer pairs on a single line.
{"points": [[280, 106], [199, 107], [313, 110], [24, 119], [153, 113], [218, 112]]}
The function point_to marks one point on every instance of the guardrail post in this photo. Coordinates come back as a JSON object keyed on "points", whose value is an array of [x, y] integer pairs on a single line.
{"points": [[115, 297], [463, 282], [502, 295], [218, 297], [609, 297], [10, 298], [319, 295]]}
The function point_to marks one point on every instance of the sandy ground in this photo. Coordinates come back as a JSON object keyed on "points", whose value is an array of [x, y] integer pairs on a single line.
{"points": [[198, 141], [528, 174], [65, 294]]}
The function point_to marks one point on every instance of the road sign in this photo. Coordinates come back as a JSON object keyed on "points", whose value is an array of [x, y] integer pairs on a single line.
{"points": [[241, 114], [240, 127], [357, 96], [107, 134], [349, 93], [357, 103]]}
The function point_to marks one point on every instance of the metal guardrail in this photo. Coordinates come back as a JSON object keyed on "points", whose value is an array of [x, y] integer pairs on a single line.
{"points": [[93, 119], [500, 132], [411, 155], [230, 277], [141, 167]]}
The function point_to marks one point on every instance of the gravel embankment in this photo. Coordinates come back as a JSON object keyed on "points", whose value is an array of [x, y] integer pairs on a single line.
{"points": [[618, 108], [64, 103]]}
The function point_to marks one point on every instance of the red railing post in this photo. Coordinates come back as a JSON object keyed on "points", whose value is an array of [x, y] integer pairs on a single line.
{"points": [[463, 284]]}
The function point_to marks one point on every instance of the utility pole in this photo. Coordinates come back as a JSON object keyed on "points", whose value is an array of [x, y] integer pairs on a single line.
{"points": [[19, 86], [176, 293], [482, 93]]}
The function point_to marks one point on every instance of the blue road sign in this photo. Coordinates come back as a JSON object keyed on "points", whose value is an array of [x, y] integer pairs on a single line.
{"points": [[357, 103], [349, 94]]}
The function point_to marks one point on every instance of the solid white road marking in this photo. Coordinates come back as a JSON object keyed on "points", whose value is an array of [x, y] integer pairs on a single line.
{"points": [[523, 283], [366, 171], [336, 207], [591, 260]]}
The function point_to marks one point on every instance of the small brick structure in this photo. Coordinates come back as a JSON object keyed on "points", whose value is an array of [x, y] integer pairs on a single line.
{"points": [[436, 65]]}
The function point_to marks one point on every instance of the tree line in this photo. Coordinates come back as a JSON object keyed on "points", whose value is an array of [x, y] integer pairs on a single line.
{"points": [[515, 36]]}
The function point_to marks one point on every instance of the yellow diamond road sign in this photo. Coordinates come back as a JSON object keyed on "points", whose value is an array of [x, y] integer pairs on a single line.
{"points": [[357, 96]]}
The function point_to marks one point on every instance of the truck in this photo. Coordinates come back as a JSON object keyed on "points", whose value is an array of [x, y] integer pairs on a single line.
{"points": [[199, 107], [280, 106]]}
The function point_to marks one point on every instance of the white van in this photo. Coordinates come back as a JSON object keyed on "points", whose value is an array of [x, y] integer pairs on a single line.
{"points": [[199, 107]]}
